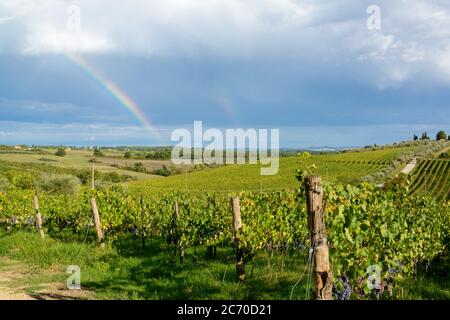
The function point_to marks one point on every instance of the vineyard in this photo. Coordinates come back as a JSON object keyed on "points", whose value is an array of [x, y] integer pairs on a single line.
{"points": [[432, 177], [178, 235], [347, 168], [367, 226]]}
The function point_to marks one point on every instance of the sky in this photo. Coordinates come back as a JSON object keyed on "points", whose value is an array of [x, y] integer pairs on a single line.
{"points": [[325, 73]]}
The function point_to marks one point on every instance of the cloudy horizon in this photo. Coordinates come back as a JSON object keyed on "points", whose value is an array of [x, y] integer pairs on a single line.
{"points": [[314, 70]]}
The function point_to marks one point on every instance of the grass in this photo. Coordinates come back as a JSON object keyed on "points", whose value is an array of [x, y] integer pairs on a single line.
{"points": [[344, 167], [425, 288], [123, 270]]}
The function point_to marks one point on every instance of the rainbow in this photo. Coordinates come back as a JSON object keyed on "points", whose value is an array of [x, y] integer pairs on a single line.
{"points": [[223, 101], [116, 92]]}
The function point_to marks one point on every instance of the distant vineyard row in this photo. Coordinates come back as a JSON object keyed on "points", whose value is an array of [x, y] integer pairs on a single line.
{"points": [[432, 177]]}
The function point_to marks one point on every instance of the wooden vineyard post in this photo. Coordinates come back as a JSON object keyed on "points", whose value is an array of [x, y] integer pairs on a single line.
{"points": [[97, 224], [214, 253], [93, 177], [39, 227], [142, 222], [237, 226], [323, 275], [211, 250], [179, 240]]}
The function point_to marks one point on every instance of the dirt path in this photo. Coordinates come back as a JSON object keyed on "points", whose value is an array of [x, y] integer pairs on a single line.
{"points": [[410, 166], [8, 294], [445, 150], [13, 273]]}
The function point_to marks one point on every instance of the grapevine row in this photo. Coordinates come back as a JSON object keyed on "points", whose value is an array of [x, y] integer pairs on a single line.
{"points": [[367, 225], [433, 177]]}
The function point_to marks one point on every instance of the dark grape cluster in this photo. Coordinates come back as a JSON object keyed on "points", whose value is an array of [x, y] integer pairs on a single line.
{"points": [[346, 291]]}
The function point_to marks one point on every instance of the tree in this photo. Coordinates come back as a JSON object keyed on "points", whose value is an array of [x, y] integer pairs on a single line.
{"points": [[425, 136], [127, 155], [441, 135], [61, 152], [59, 184], [98, 153], [415, 138]]}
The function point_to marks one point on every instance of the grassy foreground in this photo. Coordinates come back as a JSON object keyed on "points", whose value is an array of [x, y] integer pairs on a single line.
{"points": [[123, 270]]}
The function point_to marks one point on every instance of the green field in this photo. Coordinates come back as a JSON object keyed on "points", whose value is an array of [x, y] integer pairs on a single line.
{"points": [[78, 160], [346, 167]]}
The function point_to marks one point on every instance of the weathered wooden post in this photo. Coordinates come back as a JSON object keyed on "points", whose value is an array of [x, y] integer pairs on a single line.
{"points": [[93, 176], [237, 224], [214, 219], [179, 240], [97, 224], [142, 222], [323, 275], [95, 214], [211, 250], [39, 227]]}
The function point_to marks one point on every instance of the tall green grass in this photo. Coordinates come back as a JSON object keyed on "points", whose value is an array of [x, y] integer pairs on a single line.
{"points": [[124, 270]]}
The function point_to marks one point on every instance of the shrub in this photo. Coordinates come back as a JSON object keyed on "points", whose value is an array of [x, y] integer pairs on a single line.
{"points": [[113, 177], [64, 184], [84, 176], [98, 153], [164, 171], [23, 180], [139, 167], [101, 185], [61, 152]]}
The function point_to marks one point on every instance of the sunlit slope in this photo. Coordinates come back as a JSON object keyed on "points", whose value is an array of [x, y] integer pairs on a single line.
{"points": [[74, 159], [345, 167]]}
